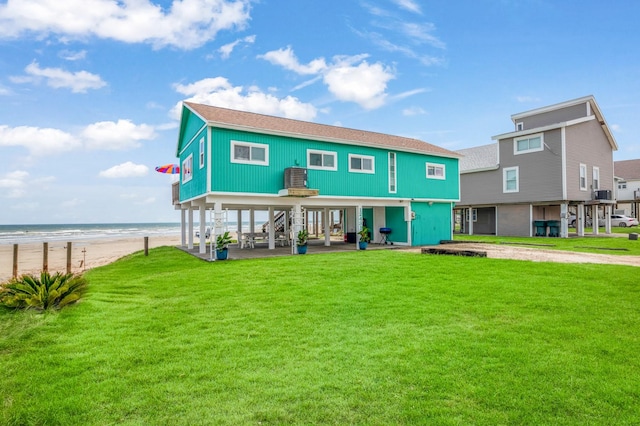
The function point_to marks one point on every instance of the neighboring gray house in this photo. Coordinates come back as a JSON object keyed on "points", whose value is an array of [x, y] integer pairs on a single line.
{"points": [[557, 162], [627, 173]]}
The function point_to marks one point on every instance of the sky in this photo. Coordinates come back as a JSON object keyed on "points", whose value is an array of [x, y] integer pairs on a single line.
{"points": [[90, 90]]}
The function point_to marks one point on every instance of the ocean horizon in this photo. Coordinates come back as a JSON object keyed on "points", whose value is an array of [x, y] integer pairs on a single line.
{"points": [[32, 233]]}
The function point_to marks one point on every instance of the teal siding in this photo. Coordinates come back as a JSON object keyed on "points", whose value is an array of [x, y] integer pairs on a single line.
{"points": [[367, 216], [198, 183], [290, 152], [394, 219], [431, 224]]}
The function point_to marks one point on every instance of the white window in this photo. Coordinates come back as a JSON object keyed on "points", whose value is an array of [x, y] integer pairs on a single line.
{"points": [[187, 169], [511, 180], [583, 177], [322, 160], [596, 178], [622, 185], [392, 172], [202, 153], [519, 126], [435, 171], [249, 153], [526, 144], [361, 163]]}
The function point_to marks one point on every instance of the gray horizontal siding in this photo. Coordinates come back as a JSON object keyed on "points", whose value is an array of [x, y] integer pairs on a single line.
{"points": [[553, 117]]}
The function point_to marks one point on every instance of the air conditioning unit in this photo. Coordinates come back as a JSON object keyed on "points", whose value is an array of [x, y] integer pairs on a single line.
{"points": [[603, 194], [295, 177]]}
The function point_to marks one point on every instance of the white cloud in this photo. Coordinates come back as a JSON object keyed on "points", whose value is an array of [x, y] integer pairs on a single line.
{"points": [[348, 78], [409, 5], [125, 170], [287, 59], [413, 111], [78, 82], [120, 135], [616, 128], [39, 141], [14, 184], [225, 50], [219, 92], [185, 24], [70, 55]]}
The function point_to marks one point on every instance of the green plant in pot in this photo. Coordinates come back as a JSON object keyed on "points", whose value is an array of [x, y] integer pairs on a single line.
{"points": [[222, 246], [301, 241], [365, 238]]}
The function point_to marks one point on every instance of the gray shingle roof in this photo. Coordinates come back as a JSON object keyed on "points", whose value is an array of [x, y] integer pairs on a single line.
{"points": [[261, 123], [479, 158], [627, 169]]}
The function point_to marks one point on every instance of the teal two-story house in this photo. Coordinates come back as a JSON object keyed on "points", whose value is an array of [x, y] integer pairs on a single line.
{"points": [[237, 161]]}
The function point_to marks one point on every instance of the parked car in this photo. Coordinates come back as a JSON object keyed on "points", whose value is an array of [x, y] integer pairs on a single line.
{"points": [[572, 221], [623, 221]]}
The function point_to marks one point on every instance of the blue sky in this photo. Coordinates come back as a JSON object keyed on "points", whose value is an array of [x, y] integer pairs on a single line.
{"points": [[90, 89]]}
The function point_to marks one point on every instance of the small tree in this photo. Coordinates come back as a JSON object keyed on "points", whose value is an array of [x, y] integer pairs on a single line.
{"points": [[44, 292]]}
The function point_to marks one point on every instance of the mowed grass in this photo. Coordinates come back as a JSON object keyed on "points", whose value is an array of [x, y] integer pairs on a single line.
{"points": [[603, 245], [376, 337]]}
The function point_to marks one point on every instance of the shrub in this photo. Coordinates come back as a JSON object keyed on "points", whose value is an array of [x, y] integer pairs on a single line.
{"points": [[44, 292]]}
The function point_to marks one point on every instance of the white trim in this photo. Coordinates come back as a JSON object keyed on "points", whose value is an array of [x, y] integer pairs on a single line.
{"points": [[583, 167], [435, 167], [544, 128], [195, 135], [519, 126], [393, 180], [322, 154], [553, 107], [528, 138], [251, 145], [362, 158], [504, 179], [563, 143], [209, 159]]}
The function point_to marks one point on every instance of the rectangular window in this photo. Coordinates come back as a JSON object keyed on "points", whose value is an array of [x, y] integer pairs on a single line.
{"points": [[392, 172], [596, 178], [622, 185], [519, 126], [510, 179], [187, 169], [361, 163], [322, 160], [583, 177], [474, 214], [435, 171], [530, 143], [202, 153], [249, 153]]}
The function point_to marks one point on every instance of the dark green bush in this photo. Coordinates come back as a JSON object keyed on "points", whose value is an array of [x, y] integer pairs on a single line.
{"points": [[44, 292]]}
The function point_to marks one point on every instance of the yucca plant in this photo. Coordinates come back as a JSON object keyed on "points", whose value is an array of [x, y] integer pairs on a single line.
{"points": [[44, 292]]}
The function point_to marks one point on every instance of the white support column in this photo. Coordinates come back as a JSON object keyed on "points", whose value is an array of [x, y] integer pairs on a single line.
{"points": [[252, 225], [202, 249], [239, 233], [564, 221], [183, 228], [358, 225], [297, 225], [327, 226], [272, 229], [580, 220], [607, 219], [594, 219], [190, 239], [470, 210]]}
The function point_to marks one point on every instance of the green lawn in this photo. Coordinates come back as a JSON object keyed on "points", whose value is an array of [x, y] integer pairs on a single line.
{"points": [[603, 245], [376, 337]]}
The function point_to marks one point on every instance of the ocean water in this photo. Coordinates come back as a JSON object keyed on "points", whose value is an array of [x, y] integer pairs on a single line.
{"points": [[20, 234]]}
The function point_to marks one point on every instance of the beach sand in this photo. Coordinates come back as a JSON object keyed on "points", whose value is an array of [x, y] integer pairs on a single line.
{"points": [[85, 254]]}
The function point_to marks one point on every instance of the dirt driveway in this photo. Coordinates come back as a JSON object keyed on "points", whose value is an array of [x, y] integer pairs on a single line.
{"points": [[497, 251]]}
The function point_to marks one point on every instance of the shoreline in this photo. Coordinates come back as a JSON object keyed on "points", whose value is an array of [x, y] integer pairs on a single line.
{"points": [[85, 254]]}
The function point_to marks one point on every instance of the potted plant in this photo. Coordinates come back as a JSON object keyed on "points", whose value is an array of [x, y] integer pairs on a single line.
{"points": [[365, 238], [222, 246], [301, 242]]}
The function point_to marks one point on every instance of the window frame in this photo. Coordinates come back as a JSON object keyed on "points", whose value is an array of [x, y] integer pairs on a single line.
{"points": [[582, 177], [201, 154], [322, 153], [363, 157], [186, 168], [505, 171], [474, 214], [595, 182], [393, 173], [528, 150], [251, 145], [436, 166]]}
